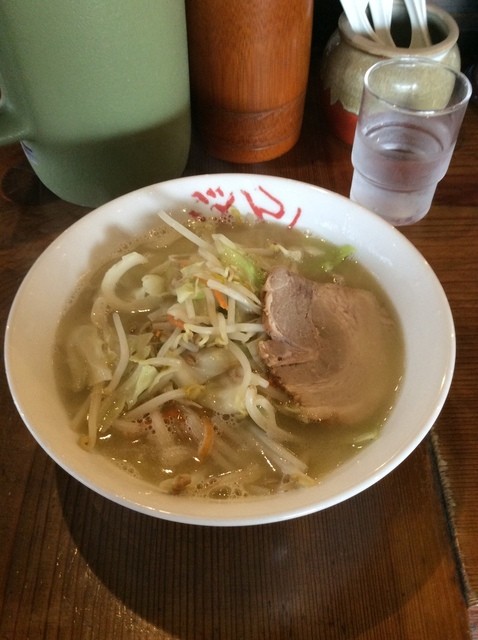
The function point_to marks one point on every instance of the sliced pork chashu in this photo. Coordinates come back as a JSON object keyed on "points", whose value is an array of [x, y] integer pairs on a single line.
{"points": [[329, 346]]}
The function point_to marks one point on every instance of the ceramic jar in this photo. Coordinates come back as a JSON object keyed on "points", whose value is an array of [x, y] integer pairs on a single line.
{"points": [[347, 56]]}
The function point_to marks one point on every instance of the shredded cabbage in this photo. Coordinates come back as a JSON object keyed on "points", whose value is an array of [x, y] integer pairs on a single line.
{"points": [[231, 255]]}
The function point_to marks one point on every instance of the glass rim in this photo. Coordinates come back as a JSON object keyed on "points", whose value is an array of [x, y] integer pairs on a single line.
{"points": [[410, 60]]}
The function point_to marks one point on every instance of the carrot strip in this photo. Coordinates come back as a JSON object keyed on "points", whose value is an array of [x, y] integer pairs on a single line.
{"points": [[221, 299], [172, 412], [176, 322], [207, 439], [219, 296]]}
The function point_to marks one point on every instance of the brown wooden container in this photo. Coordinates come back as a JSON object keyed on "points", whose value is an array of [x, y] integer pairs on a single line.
{"points": [[249, 63]]}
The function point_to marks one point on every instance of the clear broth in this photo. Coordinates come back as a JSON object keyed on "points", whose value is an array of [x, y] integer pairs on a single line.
{"points": [[322, 446]]}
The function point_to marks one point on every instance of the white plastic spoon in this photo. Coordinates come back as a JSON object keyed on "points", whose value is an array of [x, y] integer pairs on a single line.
{"points": [[417, 12], [355, 10], [381, 11]]}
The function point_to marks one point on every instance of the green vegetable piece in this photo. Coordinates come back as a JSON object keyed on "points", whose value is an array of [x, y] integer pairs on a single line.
{"points": [[247, 270], [336, 256]]}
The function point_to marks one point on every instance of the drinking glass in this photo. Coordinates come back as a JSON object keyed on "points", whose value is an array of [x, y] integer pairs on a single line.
{"points": [[410, 115]]}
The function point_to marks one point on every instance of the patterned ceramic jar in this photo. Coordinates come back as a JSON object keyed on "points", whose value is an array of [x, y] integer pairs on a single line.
{"points": [[347, 56]]}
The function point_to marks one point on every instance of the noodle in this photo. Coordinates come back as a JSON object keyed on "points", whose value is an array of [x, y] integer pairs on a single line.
{"points": [[154, 403], [123, 355]]}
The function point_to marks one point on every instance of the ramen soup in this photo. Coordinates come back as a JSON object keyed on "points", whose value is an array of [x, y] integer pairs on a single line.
{"points": [[229, 359]]}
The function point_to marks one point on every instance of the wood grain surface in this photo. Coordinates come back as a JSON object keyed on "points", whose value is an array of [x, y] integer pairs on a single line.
{"points": [[398, 561], [249, 63]]}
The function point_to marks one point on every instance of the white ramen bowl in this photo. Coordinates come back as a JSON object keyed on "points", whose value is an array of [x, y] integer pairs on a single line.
{"points": [[401, 270]]}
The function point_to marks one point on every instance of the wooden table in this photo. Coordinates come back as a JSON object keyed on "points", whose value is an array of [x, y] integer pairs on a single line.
{"points": [[398, 561]]}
